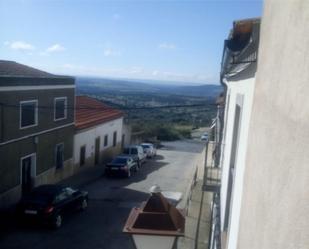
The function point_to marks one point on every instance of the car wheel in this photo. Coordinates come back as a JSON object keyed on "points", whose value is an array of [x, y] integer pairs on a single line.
{"points": [[83, 205], [57, 222]]}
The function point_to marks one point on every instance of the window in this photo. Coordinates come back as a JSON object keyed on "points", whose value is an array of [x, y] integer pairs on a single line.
{"points": [[105, 140], [60, 108], [63, 195], [70, 191], [28, 113], [59, 156], [122, 140], [115, 138], [82, 155], [232, 169]]}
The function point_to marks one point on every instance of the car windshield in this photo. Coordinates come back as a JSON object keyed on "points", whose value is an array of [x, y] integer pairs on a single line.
{"points": [[126, 151], [146, 146], [70, 190], [120, 160], [134, 151]]}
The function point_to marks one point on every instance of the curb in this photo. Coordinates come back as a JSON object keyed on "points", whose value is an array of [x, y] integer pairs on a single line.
{"points": [[188, 192]]}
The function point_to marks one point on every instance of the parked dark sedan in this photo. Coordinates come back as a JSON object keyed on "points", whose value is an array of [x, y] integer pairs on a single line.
{"points": [[121, 165], [48, 204]]}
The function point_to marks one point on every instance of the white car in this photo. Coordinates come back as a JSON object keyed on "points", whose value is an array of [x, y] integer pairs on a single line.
{"points": [[205, 137], [136, 151], [149, 150]]}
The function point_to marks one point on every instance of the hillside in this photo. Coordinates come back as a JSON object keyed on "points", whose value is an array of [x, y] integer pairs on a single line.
{"points": [[156, 109], [130, 86]]}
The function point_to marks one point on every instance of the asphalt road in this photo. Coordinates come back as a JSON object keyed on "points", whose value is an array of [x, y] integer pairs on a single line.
{"points": [[110, 201]]}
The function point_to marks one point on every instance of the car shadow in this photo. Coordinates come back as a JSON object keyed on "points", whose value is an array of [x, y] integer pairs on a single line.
{"points": [[157, 158], [103, 222], [146, 169], [186, 145]]}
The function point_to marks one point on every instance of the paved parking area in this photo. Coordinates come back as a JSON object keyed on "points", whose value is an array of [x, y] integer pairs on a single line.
{"points": [[110, 201]]}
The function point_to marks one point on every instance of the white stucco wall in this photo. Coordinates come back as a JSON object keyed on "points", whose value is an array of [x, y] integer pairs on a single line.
{"points": [[236, 88], [275, 202], [87, 137]]}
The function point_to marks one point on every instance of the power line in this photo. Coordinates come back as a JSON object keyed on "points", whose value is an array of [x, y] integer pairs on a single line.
{"points": [[109, 108]]}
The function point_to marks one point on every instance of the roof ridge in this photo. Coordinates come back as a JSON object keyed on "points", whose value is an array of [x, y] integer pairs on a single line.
{"points": [[90, 112]]}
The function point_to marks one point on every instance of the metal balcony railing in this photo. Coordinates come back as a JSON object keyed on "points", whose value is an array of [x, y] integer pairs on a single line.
{"points": [[212, 175], [212, 179]]}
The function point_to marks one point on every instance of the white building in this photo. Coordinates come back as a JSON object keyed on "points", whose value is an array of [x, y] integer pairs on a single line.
{"points": [[239, 65], [265, 140], [275, 203], [99, 132]]}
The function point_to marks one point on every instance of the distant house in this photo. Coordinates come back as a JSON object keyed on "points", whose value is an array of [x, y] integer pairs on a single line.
{"points": [[99, 132], [36, 129]]}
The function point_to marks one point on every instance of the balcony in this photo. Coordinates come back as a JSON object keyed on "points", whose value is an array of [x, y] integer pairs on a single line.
{"points": [[212, 175]]}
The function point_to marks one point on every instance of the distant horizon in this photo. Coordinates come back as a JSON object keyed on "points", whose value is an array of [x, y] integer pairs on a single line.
{"points": [[149, 81]]}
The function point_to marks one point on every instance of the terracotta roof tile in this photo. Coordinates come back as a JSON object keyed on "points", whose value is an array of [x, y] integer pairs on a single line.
{"points": [[91, 112]]}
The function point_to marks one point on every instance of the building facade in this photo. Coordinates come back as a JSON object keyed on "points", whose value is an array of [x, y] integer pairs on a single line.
{"points": [[238, 70], [238, 76], [99, 132], [36, 129], [274, 207], [264, 184]]}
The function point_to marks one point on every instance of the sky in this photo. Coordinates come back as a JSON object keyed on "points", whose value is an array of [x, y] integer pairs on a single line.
{"points": [[151, 39]]}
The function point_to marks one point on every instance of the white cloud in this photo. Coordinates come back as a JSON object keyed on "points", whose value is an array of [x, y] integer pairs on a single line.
{"points": [[111, 52], [155, 72], [19, 45], [55, 48], [135, 70], [52, 49], [166, 45], [69, 66], [43, 54]]}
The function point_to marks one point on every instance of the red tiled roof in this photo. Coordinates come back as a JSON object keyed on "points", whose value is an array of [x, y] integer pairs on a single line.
{"points": [[91, 112]]}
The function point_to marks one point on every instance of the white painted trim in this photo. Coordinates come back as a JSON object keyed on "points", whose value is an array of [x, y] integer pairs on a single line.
{"points": [[33, 170], [65, 108], [35, 134], [41, 87], [35, 114]]}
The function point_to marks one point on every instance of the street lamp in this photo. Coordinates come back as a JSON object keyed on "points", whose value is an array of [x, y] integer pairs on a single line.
{"points": [[156, 223]]}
